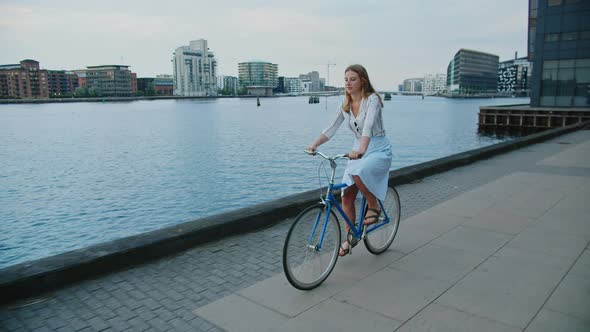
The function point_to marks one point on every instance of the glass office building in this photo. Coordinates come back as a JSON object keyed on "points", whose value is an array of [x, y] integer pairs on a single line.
{"points": [[258, 73], [473, 72], [110, 80], [559, 48], [259, 78]]}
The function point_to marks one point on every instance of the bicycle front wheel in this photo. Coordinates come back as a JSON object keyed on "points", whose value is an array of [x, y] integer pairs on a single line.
{"points": [[380, 236], [310, 253]]}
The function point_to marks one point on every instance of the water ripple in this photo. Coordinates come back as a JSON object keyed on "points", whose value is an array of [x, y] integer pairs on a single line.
{"points": [[78, 174]]}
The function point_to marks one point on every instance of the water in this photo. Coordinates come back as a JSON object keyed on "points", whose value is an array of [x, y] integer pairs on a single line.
{"points": [[78, 174]]}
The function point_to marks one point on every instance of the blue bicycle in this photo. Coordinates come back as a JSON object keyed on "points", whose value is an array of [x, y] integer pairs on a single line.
{"points": [[313, 242]]}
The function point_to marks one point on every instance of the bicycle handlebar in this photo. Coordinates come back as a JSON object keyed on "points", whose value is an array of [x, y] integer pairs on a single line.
{"points": [[339, 156]]}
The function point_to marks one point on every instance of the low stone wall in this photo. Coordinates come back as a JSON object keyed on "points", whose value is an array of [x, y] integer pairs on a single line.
{"points": [[35, 277]]}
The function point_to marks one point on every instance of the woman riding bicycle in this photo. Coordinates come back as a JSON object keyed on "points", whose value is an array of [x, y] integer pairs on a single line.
{"points": [[370, 158]]}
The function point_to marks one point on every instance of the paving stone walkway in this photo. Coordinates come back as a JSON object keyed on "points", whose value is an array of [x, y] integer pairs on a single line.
{"points": [[501, 244]]}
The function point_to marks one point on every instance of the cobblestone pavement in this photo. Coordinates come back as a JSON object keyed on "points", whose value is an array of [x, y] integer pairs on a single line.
{"points": [[162, 295]]}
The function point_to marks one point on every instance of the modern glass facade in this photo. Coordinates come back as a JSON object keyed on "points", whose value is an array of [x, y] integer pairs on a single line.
{"points": [[559, 46], [258, 74], [110, 80], [473, 72]]}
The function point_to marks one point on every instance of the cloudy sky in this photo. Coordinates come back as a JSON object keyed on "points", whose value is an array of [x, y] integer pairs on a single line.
{"points": [[394, 39]]}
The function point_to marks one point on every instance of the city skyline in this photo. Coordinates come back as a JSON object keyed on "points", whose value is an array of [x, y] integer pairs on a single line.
{"points": [[394, 40]]}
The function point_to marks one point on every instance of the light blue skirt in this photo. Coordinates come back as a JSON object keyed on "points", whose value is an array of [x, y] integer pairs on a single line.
{"points": [[372, 168]]}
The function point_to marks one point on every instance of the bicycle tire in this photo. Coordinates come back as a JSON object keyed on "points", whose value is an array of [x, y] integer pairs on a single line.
{"points": [[306, 266], [378, 240]]}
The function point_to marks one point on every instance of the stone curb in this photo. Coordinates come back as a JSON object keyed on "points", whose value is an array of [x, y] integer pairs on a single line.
{"points": [[36, 277], [418, 171]]}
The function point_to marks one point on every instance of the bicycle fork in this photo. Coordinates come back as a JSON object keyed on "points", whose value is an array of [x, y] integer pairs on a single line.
{"points": [[326, 219]]}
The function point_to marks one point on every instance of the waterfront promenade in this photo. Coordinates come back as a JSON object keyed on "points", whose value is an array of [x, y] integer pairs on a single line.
{"points": [[498, 245]]}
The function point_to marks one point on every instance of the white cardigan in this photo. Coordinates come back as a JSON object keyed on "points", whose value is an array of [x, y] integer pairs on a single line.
{"points": [[368, 122]]}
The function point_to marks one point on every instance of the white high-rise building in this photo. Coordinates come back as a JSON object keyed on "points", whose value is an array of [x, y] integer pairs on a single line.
{"points": [[434, 84], [220, 84], [306, 86], [194, 70], [293, 85], [413, 85], [228, 84]]}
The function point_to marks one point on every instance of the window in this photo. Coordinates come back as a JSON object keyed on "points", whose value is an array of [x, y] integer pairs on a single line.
{"points": [[550, 64], [566, 36], [552, 3], [566, 83], [533, 5], [551, 37], [583, 75], [567, 63]]}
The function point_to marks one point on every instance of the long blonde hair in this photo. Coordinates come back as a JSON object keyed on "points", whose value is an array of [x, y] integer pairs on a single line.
{"points": [[366, 86]]}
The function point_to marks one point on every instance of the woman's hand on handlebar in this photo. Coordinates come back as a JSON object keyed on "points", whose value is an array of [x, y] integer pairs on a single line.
{"points": [[353, 155]]}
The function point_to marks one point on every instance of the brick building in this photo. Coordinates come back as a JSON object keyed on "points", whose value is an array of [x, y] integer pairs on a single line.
{"points": [[164, 85], [24, 80], [62, 83]]}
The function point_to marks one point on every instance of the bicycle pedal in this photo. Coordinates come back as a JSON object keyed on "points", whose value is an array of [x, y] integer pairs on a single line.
{"points": [[352, 240]]}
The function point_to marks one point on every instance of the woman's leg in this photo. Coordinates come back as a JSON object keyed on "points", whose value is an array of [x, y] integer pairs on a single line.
{"points": [[371, 199], [348, 198]]}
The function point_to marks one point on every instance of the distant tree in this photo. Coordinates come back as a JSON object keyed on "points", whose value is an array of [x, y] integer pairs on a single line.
{"points": [[81, 92], [226, 91], [86, 92], [63, 95], [242, 91], [150, 91]]}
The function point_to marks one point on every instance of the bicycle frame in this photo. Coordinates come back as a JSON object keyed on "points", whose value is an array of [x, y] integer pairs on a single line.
{"points": [[330, 201]]}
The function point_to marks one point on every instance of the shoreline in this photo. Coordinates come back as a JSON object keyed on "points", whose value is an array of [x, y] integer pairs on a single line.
{"points": [[138, 98], [114, 99]]}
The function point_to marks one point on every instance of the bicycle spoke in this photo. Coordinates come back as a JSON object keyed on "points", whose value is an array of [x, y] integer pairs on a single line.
{"points": [[381, 235], [304, 264]]}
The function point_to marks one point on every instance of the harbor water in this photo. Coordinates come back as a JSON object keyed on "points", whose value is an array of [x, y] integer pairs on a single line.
{"points": [[78, 174]]}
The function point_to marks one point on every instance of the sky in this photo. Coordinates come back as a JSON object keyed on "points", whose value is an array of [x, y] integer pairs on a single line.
{"points": [[393, 39]]}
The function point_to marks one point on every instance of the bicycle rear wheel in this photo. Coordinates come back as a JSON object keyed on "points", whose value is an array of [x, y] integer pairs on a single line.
{"points": [[307, 261], [380, 236]]}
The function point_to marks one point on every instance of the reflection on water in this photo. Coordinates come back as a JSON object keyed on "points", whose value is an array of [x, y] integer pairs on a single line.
{"points": [[78, 174], [508, 133]]}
